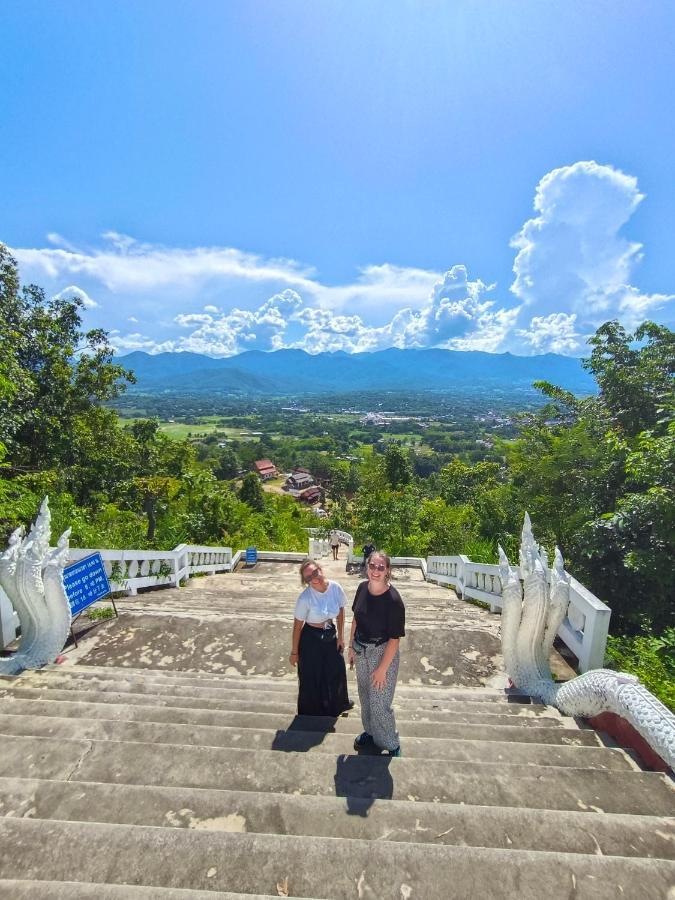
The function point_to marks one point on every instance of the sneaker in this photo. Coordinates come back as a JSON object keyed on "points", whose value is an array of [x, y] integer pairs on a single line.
{"points": [[396, 752], [363, 740]]}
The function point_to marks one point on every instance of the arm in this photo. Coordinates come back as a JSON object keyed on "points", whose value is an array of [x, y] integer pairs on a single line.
{"points": [[380, 674], [295, 641], [341, 630], [352, 632]]}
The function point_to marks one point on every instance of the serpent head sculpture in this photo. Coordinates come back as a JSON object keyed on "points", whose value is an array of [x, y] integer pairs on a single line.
{"points": [[535, 601], [31, 574]]}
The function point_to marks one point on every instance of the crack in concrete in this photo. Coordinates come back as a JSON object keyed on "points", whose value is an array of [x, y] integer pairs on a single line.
{"points": [[78, 765]]}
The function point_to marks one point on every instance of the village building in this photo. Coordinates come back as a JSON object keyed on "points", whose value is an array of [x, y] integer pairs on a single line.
{"points": [[299, 481], [310, 495], [266, 469]]}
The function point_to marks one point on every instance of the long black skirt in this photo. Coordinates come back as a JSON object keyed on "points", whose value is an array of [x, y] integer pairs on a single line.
{"points": [[322, 674]]}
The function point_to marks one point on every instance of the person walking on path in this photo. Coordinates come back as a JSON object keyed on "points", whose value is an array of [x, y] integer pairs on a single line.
{"points": [[367, 550], [318, 643], [335, 543], [377, 627]]}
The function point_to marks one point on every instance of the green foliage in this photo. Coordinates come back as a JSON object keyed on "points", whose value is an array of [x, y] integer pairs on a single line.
{"points": [[598, 481], [397, 466], [251, 492], [650, 658], [52, 373], [101, 613]]}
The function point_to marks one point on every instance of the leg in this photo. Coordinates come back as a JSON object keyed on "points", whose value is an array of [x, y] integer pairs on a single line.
{"points": [[381, 712], [363, 684]]}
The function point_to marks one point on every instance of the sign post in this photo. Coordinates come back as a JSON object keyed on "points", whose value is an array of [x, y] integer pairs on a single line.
{"points": [[85, 582]]}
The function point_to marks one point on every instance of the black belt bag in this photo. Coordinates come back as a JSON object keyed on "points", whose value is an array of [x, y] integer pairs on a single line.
{"points": [[374, 642]]}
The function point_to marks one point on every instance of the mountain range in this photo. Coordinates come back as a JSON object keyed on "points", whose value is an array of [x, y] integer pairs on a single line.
{"points": [[284, 372]]}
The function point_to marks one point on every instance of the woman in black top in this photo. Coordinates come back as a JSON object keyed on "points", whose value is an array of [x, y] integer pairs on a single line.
{"points": [[377, 626]]}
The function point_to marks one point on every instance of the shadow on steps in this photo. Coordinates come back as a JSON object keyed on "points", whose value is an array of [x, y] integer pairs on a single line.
{"points": [[360, 779]]}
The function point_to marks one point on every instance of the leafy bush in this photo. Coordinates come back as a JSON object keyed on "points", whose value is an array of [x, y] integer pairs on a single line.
{"points": [[650, 658]]}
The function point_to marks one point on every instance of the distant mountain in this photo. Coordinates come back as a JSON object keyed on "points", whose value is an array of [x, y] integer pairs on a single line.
{"points": [[296, 372]]}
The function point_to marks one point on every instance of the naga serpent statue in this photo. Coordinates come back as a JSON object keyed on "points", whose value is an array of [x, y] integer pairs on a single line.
{"points": [[531, 616], [31, 574]]}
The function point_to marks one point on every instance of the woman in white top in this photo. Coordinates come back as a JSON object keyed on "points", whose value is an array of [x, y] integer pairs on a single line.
{"points": [[317, 644]]}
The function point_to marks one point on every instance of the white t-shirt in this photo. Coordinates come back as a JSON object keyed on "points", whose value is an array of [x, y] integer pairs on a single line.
{"points": [[334, 539], [314, 607]]}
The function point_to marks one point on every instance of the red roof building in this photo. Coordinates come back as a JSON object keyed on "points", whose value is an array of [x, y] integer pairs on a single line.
{"points": [[265, 469]]}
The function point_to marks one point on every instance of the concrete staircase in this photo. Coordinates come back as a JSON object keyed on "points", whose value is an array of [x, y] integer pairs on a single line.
{"points": [[124, 781]]}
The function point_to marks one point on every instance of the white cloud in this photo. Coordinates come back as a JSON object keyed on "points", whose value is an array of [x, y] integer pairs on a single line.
{"points": [[556, 333], [78, 293], [573, 266], [573, 270], [125, 264]]}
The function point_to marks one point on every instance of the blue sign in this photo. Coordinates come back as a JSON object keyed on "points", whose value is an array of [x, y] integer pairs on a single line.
{"points": [[251, 556], [85, 582]]}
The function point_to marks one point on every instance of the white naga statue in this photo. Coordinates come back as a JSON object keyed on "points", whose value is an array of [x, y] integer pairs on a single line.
{"points": [[31, 574], [531, 615]]}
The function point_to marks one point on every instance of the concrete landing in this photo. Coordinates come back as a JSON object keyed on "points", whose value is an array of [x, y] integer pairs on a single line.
{"points": [[240, 624]]}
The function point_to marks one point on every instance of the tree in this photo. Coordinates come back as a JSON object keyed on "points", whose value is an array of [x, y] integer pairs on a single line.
{"points": [[397, 466], [227, 465], [251, 492], [52, 373], [598, 479], [634, 373]]}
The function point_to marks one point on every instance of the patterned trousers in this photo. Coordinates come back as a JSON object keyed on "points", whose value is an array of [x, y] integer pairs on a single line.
{"points": [[377, 715]]}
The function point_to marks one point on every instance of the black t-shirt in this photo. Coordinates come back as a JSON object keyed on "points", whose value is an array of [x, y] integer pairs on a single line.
{"points": [[380, 616]]}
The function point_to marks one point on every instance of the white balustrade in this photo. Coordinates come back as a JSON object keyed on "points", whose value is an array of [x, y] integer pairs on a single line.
{"points": [[129, 570], [584, 630]]}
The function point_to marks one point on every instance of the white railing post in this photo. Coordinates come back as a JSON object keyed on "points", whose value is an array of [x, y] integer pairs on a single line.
{"points": [[462, 573], [592, 654]]}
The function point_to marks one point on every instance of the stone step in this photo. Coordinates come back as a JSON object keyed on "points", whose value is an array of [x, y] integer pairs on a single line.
{"points": [[288, 684], [391, 820], [257, 863], [31, 702], [480, 784], [264, 699], [501, 752], [12, 889], [181, 697]]}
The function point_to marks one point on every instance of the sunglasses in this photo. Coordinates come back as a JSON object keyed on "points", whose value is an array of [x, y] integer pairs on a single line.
{"points": [[315, 573], [378, 567]]}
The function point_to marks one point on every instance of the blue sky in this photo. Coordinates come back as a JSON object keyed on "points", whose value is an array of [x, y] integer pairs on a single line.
{"points": [[222, 176]]}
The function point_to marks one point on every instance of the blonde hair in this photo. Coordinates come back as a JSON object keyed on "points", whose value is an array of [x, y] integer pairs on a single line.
{"points": [[307, 561]]}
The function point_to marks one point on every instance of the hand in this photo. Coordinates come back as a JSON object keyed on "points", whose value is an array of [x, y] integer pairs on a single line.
{"points": [[293, 658], [340, 644], [352, 657], [378, 679]]}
